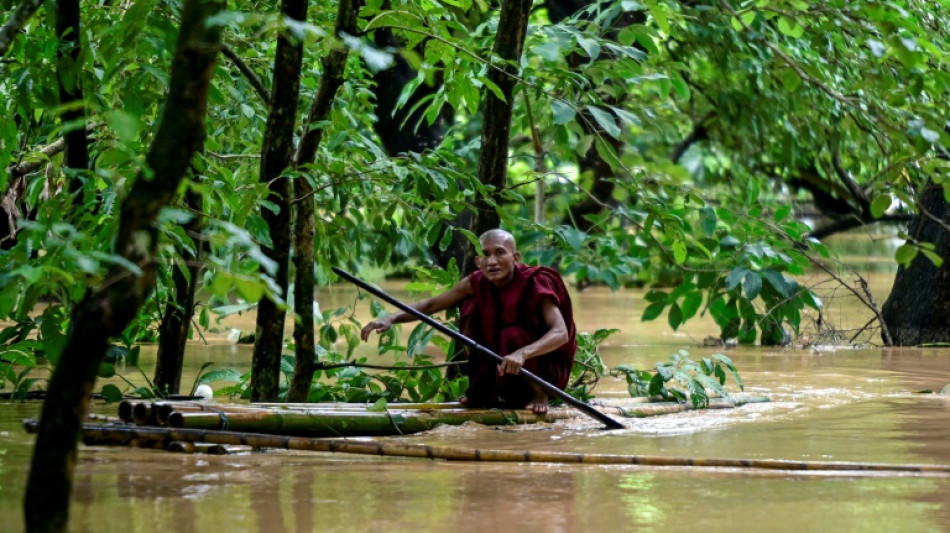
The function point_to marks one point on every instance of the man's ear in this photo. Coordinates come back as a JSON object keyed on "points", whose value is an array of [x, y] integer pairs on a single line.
{"points": [[478, 261], [517, 257]]}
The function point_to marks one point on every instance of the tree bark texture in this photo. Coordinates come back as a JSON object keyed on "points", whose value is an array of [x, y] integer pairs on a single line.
{"points": [[276, 157], [69, 75], [918, 308], [105, 312], [331, 80], [173, 331], [496, 130]]}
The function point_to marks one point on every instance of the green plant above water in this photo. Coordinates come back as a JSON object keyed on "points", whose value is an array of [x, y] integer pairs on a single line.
{"points": [[682, 379]]}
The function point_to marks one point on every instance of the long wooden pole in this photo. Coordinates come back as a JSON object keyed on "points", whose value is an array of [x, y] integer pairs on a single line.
{"points": [[550, 389], [124, 433]]}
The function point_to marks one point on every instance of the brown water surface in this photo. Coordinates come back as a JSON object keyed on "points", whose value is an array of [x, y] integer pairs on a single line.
{"points": [[828, 404]]}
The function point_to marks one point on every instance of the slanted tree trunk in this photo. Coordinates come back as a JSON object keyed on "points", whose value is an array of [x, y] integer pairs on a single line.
{"points": [[276, 157], [69, 75], [173, 331], [496, 131], [11, 28], [918, 308], [331, 80], [106, 311]]}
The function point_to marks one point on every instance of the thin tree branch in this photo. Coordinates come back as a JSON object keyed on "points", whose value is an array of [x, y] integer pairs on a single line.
{"points": [[251, 76], [786, 58], [26, 167], [859, 196]]}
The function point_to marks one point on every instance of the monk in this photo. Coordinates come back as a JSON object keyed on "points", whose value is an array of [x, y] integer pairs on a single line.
{"points": [[521, 313]]}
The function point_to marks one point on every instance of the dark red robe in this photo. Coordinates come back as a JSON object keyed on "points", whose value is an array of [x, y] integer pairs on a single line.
{"points": [[508, 319]]}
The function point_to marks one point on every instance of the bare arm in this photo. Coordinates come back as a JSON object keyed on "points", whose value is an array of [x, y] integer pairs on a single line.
{"points": [[555, 337], [439, 302]]}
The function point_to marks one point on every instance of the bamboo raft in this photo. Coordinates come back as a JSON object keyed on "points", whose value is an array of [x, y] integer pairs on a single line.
{"points": [[192, 427], [349, 420], [322, 420]]}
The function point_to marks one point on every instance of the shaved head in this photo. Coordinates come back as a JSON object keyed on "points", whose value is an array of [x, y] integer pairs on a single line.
{"points": [[498, 236], [499, 259]]}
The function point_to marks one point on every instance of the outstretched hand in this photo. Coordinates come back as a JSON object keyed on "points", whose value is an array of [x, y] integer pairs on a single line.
{"points": [[379, 325]]}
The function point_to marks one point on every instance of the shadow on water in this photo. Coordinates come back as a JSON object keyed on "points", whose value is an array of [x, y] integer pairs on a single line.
{"points": [[828, 404]]}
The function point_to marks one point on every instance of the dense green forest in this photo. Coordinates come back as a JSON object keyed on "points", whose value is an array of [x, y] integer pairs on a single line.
{"points": [[167, 161]]}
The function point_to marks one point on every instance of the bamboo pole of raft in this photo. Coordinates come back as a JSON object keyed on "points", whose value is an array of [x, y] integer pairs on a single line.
{"points": [[164, 410], [359, 421], [553, 391], [190, 447], [329, 424], [332, 405], [401, 449]]}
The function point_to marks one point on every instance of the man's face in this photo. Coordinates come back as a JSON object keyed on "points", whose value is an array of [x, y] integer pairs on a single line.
{"points": [[499, 260]]}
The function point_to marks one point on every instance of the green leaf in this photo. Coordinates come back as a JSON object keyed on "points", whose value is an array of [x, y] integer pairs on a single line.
{"points": [[380, 406], [675, 316], [605, 121], [563, 112], [934, 258], [111, 393], [125, 125], [790, 27], [226, 374], [707, 220], [735, 277], [777, 281], [782, 213], [491, 86], [681, 88], [752, 285], [656, 296], [106, 370], [905, 254], [679, 251], [652, 311], [659, 15], [881, 204], [691, 303], [656, 385]]}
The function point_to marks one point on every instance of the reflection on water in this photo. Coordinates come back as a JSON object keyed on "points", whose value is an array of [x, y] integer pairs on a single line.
{"points": [[840, 405]]}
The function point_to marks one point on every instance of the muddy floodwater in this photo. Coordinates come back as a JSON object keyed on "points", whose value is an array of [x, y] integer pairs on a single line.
{"points": [[827, 404]]}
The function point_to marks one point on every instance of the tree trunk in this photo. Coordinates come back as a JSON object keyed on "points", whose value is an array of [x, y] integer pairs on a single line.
{"points": [[105, 312], [304, 341], [496, 131], [173, 331], [276, 157], [918, 308], [398, 131], [69, 75]]}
